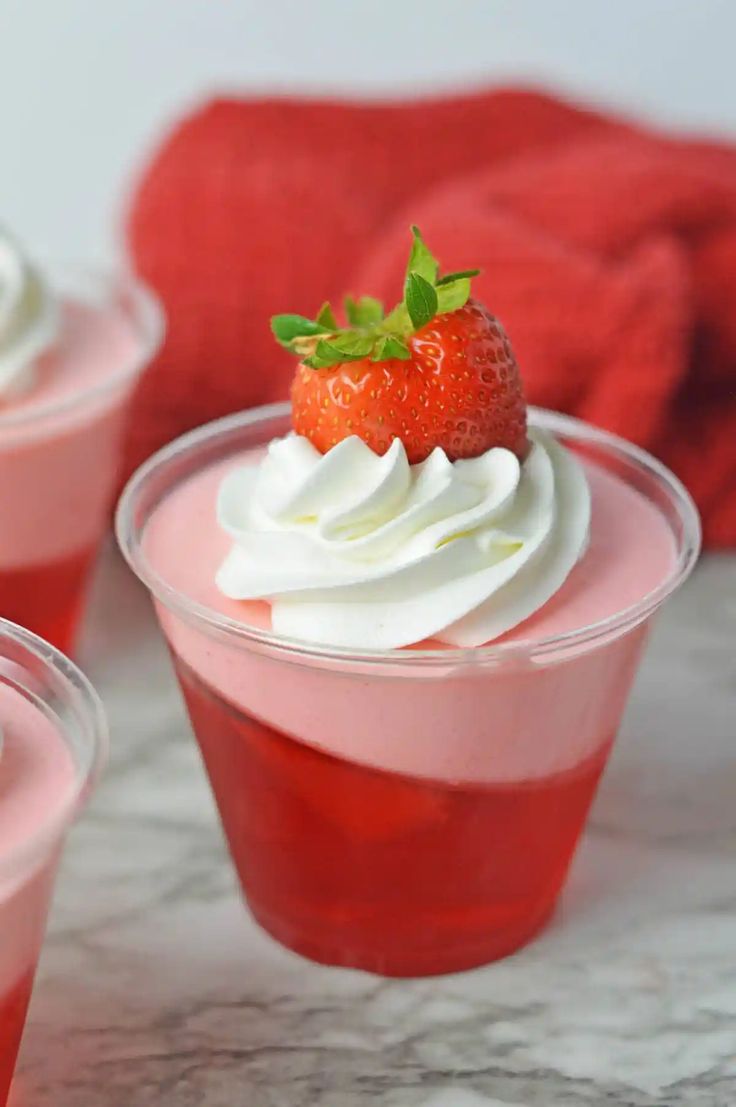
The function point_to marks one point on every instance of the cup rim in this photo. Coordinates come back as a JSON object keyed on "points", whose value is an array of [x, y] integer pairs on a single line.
{"points": [[88, 713], [147, 318], [521, 649]]}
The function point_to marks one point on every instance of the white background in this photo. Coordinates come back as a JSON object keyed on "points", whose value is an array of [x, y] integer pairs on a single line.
{"points": [[87, 85]]}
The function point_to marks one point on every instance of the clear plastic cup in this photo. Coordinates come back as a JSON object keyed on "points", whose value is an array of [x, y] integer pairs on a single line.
{"points": [[60, 462], [73, 720], [447, 846]]}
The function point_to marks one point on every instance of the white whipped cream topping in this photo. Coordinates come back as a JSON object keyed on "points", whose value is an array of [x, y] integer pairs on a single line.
{"points": [[29, 317], [357, 550]]}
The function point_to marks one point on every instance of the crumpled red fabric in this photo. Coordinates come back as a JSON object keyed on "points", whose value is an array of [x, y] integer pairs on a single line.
{"points": [[608, 250]]}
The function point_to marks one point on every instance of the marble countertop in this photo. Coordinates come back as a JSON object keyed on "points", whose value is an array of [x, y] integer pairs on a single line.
{"points": [[157, 989]]}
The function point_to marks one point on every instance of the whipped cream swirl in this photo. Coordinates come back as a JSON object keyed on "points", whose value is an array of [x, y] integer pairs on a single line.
{"points": [[362, 551], [29, 318]]}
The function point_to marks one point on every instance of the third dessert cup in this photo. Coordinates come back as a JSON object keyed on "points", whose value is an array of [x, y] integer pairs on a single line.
{"points": [[407, 811], [53, 742], [72, 348]]}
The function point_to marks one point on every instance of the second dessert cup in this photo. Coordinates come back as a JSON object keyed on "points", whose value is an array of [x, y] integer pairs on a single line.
{"points": [[410, 811], [61, 457]]}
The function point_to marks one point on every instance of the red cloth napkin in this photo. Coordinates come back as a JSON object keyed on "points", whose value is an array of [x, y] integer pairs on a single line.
{"points": [[608, 251]]}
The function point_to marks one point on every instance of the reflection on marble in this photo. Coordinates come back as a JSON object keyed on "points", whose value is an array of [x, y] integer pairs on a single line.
{"points": [[156, 989]]}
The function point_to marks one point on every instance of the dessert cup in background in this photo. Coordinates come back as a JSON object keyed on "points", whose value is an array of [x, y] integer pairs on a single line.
{"points": [[407, 811], [61, 443], [54, 738]]}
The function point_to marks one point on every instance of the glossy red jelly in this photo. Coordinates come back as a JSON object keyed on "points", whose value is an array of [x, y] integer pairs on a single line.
{"points": [[48, 598], [13, 1007], [402, 876]]}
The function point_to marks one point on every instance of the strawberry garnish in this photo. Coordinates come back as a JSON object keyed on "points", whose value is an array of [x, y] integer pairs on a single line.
{"points": [[438, 370]]}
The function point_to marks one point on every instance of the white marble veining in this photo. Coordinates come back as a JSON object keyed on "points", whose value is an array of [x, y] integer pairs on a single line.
{"points": [[157, 989]]}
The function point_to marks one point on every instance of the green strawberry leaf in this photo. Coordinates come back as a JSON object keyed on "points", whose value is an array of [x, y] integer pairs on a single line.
{"points": [[365, 312], [391, 347], [326, 317], [398, 322], [324, 357], [288, 327], [421, 260], [345, 346], [450, 277], [420, 298], [351, 344], [317, 362], [450, 297]]}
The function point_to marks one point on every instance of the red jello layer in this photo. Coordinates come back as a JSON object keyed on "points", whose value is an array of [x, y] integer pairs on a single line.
{"points": [[47, 598], [355, 866], [13, 1007]]}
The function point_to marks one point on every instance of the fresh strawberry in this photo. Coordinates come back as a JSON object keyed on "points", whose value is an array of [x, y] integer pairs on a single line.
{"points": [[437, 371]]}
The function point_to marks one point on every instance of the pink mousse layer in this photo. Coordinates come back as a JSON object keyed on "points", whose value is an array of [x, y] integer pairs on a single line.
{"points": [[463, 723], [59, 464], [37, 782]]}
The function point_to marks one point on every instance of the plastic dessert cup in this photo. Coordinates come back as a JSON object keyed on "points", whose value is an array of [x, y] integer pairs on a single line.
{"points": [[54, 739], [412, 811], [61, 447]]}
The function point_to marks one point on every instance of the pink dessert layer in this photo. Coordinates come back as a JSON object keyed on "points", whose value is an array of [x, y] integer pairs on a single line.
{"points": [[95, 342], [37, 782], [631, 550], [460, 723], [60, 440]]}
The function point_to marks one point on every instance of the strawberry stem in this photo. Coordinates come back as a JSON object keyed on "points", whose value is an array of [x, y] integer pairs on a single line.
{"points": [[321, 343]]}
